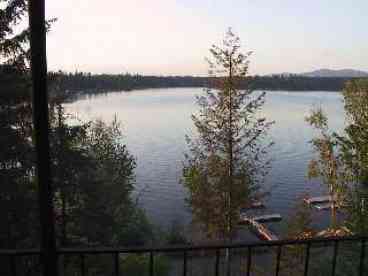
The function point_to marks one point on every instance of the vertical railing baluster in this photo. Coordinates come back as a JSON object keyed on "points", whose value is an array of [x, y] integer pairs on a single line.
{"points": [[362, 256], [151, 264], [228, 261], [117, 264], [185, 263], [249, 261], [306, 264], [334, 258], [82, 264], [217, 264], [13, 257], [278, 260], [13, 266]]}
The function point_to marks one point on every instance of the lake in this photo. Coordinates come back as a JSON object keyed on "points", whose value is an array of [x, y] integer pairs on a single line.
{"points": [[155, 122]]}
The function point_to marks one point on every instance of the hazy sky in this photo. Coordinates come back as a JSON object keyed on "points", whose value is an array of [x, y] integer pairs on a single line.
{"points": [[173, 36]]}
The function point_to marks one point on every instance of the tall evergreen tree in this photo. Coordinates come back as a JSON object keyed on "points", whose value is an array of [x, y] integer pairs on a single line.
{"points": [[17, 196], [354, 141], [342, 162], [226, 162], [354, 151], [328, 166]]}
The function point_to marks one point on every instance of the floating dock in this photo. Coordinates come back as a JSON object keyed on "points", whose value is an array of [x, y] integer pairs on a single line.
{"points": [[262, 231], [321, 207], [264, 218], [268, 218], [257, 205], [254, 205], [318, 199], [327, 206], [259, 228]]}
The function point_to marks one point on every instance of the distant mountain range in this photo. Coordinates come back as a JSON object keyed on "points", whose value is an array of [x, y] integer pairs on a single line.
{"points": [[328, 73], [344, 73]]}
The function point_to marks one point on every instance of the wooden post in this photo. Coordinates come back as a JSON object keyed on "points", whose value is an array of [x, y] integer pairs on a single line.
{"points": [[41, 130]]}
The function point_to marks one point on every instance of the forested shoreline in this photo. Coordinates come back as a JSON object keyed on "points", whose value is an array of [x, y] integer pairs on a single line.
{"points": [[91, 172], [80, 81]]}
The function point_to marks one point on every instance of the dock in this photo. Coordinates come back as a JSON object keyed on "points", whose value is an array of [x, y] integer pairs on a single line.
{"points": [[259, 228], [262, 231], [257, 205], [318, 199], [254, 205], [268, 218], [328, 206], [261, 219]]}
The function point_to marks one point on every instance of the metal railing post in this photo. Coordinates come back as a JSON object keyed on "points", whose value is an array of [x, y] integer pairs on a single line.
{"points": [[185, 255], [334, 258], [249, 260], [217, 263], [13, 266], [151, 265], [278, 257], [306, 264], [117, 264], [41, 131], [82, 265], [362, 257]]}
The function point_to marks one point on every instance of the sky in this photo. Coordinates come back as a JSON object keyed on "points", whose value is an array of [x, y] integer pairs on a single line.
{"points": [[172, 37]]}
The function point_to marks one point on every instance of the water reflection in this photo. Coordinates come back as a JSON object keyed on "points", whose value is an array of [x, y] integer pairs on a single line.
{"points": [[156, 121]]}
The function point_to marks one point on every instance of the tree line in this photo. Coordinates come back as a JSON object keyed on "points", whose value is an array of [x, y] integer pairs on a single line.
{"points": [[87, 82], [93, 170]]}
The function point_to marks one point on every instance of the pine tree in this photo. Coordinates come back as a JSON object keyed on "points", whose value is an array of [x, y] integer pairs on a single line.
{"points": [[226, 160], [18, 207], [328, 166]]}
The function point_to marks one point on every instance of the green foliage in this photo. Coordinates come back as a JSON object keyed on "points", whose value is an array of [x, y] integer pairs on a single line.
{"points": [[14, 45], [18, 206], [93, 176], [136, 230], [357, 219], [354, 152], [299, 224], [106, 199], [92, 170], [14, 40], [176, 234], [318, 120], [135, 264], [129, 265], [85, 82], [225, 165], [342, 161], [354, 142], [328, 166]]}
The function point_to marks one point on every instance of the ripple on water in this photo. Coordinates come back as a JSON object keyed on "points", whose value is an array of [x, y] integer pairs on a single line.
{"points": [[155, 122]]}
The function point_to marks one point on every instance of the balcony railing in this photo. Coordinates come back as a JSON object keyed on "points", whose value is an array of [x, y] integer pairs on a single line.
{"points": [[214, 253]]}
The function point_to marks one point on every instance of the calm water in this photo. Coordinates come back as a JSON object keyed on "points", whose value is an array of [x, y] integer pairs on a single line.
{"points": [[156, 121]]}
